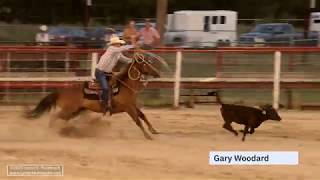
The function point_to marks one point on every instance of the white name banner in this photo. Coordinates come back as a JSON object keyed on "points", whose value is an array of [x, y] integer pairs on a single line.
{"points": [[254, 158]]}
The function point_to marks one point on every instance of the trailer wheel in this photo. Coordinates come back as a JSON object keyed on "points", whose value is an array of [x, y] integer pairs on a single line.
{"points": [[177, 41], [224, 43], [228, 42], [220, 43]]}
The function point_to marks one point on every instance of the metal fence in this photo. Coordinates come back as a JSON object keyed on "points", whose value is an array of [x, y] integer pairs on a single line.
{"points": [[241, 75]]}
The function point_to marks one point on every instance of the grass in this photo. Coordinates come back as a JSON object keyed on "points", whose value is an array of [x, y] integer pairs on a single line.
{"points": [[17, 33], [205, 65]]}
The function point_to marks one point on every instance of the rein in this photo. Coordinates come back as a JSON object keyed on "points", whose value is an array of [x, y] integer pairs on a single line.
{"points": [[126, 85]]}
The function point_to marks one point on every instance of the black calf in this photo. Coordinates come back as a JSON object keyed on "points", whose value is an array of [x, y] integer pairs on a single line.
{"points": [[250, 117]]}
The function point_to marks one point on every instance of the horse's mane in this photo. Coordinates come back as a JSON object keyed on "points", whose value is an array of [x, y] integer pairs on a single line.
{"points": [[123, 72]]}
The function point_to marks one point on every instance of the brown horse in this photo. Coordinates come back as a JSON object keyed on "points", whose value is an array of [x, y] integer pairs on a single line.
{"points": [[71, 101]]}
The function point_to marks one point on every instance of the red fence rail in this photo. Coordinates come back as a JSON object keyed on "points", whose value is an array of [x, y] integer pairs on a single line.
{"points": [[219, 57], [219, 60]]}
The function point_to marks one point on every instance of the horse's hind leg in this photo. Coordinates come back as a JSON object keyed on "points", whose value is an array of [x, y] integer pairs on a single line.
{"points": [[144, 118], [133, 113], [64, 115]]}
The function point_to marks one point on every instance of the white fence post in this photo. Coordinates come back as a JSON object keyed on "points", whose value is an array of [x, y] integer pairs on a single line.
{"points": [[276, 79], [177, 79], [94, 60]]}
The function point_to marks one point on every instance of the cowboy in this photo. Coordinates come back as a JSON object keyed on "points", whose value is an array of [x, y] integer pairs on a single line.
{"points": [[149, 36], [106, 64], [130, 33]]}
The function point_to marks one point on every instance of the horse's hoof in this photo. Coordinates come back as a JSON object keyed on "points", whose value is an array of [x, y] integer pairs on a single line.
{"points": [[154, 131], [148, 137]]}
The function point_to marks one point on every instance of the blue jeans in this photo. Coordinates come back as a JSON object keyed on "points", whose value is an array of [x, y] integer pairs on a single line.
{"points": [[102, 79]]}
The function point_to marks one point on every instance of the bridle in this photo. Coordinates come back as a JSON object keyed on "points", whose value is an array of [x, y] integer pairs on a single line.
{"points": [[137, 58]]}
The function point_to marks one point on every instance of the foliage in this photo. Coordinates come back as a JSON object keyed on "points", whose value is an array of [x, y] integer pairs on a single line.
{"points": [[115, 11]]}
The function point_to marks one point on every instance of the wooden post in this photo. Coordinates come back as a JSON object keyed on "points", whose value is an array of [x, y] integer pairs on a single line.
{"points": [[86, 20], [307, 12], [276, 79], [162, 6], [94, 61], [177, 79]]}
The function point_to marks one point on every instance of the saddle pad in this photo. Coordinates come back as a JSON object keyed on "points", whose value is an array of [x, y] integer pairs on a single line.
{"points": [[94, 85], [93, 93]]}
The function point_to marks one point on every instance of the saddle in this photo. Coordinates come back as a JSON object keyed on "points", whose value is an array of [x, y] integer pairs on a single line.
{"points": [[92, 89]]}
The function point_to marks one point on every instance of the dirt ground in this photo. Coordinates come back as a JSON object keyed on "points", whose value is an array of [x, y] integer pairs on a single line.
{"points": [[116, 149]]}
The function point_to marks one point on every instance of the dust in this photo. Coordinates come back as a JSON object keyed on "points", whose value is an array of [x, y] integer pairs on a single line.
{"points": [[114, 147]]}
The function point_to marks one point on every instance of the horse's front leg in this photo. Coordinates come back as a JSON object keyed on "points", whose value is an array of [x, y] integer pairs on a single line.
{"points": [[133, 113], [144, 118]]}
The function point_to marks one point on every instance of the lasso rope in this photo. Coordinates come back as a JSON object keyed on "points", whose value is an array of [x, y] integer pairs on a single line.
{"points": [[137, 58]]}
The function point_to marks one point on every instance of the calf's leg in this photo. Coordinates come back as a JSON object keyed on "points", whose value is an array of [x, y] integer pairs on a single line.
{"points": [[251, 130], [245, 131], [228, 127]]}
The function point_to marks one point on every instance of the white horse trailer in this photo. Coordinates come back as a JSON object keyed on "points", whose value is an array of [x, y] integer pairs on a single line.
{"points": [[314, 24], [201, 28]]}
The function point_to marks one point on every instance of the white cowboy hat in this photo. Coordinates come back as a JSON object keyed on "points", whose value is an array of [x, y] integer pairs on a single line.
{"points": [[43, 28], [116, 40]]}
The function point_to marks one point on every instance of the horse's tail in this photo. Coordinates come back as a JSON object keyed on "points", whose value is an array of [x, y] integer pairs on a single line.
{"points": [[44, 105]]}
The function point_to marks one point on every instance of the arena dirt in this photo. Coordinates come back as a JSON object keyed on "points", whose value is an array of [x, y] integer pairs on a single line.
{"points": [[114, 148]]}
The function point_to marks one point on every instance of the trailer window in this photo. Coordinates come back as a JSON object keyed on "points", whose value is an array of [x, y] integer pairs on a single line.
{"points": [[222, 19], [316, 21], [206, 27], [214, 19]]}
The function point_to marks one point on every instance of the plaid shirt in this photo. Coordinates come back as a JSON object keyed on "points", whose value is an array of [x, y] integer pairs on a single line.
{"points": [[111, 57]]}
